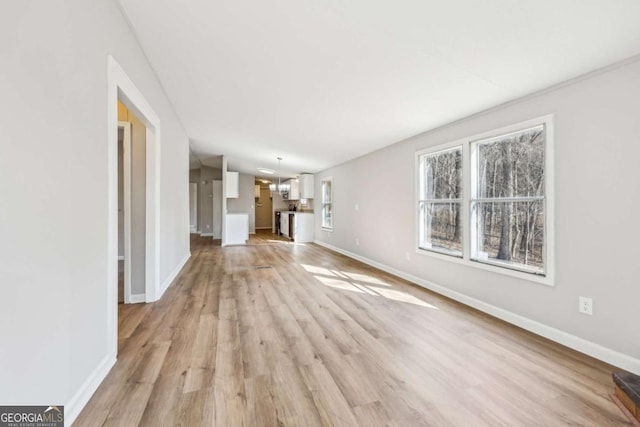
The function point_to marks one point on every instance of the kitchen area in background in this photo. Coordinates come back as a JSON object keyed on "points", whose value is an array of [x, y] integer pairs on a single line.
{"points": [[286, 208], [230, 206]]}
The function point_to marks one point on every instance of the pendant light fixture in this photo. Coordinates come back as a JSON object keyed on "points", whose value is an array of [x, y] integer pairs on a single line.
{"points": [[272, 186]]}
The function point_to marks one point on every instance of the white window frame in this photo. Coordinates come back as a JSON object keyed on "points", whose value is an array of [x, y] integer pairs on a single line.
{"points": [[459, 201], [549, 230], [325, 202]]}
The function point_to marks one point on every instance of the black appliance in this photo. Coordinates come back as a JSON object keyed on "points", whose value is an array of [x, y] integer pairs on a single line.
{"points": [[278, 231]]}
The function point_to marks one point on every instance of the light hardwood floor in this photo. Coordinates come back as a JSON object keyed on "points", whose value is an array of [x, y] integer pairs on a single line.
{"points": [[290, 335]]}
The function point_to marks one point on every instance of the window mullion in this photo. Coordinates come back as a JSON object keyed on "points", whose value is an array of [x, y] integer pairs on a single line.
{"points": [[466, 208]]}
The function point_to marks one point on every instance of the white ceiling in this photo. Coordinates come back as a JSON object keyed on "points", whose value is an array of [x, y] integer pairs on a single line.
{"points": [[319, 82]]}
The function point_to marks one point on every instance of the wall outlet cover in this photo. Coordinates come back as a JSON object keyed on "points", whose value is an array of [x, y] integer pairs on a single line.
{"points": [[585, 305]]}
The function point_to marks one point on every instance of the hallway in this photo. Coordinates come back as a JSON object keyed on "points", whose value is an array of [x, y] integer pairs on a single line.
{"points": [[286, 334]]}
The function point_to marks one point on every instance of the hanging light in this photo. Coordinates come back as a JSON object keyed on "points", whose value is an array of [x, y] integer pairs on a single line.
{"points": [[282, 188], [279, 187]]}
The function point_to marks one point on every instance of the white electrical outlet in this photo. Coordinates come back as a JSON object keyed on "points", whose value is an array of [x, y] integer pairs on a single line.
{"points": [[357, 242], [586, 305]]}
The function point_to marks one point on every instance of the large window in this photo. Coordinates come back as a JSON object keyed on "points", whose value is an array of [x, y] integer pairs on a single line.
{"points": [[485, 200], [327, 204]]}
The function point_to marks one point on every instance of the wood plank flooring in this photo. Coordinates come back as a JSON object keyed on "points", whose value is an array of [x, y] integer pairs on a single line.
{"points": [[281, 334]]}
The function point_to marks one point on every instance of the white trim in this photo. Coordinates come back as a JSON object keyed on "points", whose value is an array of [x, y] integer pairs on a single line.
{"points": [[152, 229], [121, 87], [174, 274], [262, 228], [468, 150], [193, 204], [84, 393], [136, 299], [120, 257], [206, 234], [581, 345], [223, 232]]}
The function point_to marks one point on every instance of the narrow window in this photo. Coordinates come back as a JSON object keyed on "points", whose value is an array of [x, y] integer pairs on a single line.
{"points": [[440, 201], [327, 204], [508, 200]]}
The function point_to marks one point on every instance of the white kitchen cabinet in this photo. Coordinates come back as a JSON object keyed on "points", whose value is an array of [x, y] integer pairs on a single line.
{"points": [[232, 185], [303, 227], [284, 224], [306, 186], [237, 229], [294, 189]]}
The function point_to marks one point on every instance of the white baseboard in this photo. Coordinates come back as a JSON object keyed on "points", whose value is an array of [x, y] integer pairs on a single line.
{"points": [[137, 298], [173, 274], [264, 228], [206, 234], [73, 408], [582, 345]]}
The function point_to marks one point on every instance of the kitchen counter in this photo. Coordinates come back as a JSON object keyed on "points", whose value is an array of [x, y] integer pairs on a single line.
{"points": [[297, 225], [237, 229], [296, 212]]}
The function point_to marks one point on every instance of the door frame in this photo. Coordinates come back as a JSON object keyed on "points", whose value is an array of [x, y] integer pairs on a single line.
{"points": [[126, 186], [121, 88], [193, 204]]}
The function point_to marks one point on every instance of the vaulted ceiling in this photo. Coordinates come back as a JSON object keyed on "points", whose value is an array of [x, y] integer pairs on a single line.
{"points": [[319, 82]]}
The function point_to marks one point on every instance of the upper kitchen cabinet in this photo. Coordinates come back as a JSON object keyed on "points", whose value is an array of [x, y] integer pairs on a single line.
{"points": [[294, 189], [232, 184], [306, 186]]}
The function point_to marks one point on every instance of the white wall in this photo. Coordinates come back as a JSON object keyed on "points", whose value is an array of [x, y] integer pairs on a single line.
{"points": [[53, 219], [205, 220], [245, 203], [597, 179]]}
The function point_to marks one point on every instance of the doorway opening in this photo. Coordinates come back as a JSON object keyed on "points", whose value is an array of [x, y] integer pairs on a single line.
{"points": [[124, 209], [263, 205], [131, 207], [145, 206]]}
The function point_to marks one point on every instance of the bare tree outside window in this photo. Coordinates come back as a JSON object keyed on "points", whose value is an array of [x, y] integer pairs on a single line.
{"points": [[327, 204], [507, 200], [440, 201], [488, 200]]}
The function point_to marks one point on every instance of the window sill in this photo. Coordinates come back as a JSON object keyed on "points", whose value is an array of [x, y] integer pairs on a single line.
{"points": [[530, 277], [327, 229]]}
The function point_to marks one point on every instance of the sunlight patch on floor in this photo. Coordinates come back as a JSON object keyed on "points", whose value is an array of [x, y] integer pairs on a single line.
{"points": [[364, 278], [364, 284], [338, 284]]}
